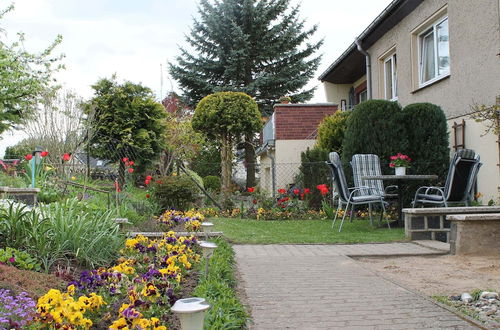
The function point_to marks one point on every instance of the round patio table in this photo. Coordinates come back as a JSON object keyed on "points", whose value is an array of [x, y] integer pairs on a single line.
{"points": [[401, 179]]}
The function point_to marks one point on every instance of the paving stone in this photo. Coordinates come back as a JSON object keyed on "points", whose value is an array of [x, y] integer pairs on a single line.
{"points": [[320, 287]]}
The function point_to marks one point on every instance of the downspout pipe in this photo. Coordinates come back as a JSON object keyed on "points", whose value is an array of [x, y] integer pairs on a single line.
{"points": [[368, 69]]}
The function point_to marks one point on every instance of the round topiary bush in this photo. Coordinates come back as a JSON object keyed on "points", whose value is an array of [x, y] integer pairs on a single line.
{"points": [[375, 127], [177, 192], [212, 183], [331, 131]]}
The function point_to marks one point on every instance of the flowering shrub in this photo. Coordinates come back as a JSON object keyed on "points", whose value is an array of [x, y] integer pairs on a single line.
{"points": [[15, 312], [136, 293], [400, 160]]}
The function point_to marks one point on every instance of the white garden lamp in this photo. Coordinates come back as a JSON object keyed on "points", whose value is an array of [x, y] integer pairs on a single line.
{"points": [[208, 250], [191, 312], [207, 228]]}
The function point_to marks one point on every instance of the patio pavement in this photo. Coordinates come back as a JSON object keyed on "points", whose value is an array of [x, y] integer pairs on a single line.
{"points": [[321, 287]]}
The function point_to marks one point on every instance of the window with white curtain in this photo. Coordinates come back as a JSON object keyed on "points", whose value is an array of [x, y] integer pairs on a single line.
{"points": [[390, 78], [434, 52]]}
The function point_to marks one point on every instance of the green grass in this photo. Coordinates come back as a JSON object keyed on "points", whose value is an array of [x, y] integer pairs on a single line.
{"points": [[304, 231], [219, 289]]}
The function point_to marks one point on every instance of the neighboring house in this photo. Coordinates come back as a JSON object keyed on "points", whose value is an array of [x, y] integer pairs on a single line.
{"points": [[289, 131], [437, 51]]}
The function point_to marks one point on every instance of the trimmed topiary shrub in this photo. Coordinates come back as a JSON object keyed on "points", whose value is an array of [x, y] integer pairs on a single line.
{"points": [[313, 172], [177, 192], [375, 127], [331, 131], [428, 141], [212, 183]]}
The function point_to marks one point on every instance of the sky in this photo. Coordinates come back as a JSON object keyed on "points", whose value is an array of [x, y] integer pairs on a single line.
{"points": [[136, 39]]}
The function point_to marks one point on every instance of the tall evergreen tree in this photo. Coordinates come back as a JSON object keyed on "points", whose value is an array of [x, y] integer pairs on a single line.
{"points": [[259, 47]]}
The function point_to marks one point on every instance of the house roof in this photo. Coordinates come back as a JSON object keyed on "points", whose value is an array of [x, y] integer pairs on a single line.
{"points": [[350, 66]]}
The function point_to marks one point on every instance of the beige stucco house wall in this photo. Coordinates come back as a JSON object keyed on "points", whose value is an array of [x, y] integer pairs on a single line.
{"points": [[474, 42]]}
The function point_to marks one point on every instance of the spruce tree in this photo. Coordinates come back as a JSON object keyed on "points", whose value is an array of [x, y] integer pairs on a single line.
{"points": [[258, 47]]}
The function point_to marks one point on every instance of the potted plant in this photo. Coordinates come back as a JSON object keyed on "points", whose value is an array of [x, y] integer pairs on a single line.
{"points": [[400, 162], [285, 99]]}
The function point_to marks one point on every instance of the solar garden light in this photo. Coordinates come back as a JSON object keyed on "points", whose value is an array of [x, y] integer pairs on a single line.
{"points": [[36, 159], [191, 312], [208, 250], [207, 228]]}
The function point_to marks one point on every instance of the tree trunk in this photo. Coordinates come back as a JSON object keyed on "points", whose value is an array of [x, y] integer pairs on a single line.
{"points": [[226, 164], [250, 160]]}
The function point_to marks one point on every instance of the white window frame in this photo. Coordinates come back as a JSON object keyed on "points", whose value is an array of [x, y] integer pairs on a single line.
{"points": [[431, 29], [394, 78]]}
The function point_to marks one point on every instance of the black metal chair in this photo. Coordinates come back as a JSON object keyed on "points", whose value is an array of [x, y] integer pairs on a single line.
{"points": [[462, 175], [351, 196]]}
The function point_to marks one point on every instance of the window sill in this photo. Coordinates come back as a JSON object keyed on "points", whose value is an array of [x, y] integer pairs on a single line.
{"points": [[431, 83]]}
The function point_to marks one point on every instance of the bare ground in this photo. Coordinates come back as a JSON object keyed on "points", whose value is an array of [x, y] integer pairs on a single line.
{"points": [[439, 275]]}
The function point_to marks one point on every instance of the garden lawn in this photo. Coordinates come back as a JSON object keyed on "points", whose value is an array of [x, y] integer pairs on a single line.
{"points": [[304, 231]]}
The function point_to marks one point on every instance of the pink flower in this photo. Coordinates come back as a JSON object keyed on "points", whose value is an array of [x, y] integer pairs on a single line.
{"points": [[131, 170], [146, 182], [12, 260], [124, 159], [149, 177]]}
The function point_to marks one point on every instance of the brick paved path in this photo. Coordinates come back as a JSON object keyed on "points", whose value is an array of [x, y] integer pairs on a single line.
{"points": [[320, 287]]}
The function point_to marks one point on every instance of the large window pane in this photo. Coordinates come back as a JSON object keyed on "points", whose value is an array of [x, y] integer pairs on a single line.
{"points": [[428, 60], [443, 48]]}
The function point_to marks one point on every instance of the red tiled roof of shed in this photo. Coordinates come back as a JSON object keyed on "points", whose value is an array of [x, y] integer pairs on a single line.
{"points": [[300, 121]]}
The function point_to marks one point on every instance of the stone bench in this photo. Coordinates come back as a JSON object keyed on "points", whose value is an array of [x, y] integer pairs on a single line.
{"points": [[27, 196], [431, 223], [475, 233]]}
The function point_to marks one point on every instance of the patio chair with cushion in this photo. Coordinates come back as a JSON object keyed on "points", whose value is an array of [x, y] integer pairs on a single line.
{"points": [[462, 175], [369, 164], [351, 196]]}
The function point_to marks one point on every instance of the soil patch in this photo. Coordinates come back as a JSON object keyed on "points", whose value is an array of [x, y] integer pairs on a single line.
{"points": [[33, 283], [439, 275]]}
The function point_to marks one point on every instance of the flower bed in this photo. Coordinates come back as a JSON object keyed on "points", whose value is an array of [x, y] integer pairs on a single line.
{"points": [[136, 293]]}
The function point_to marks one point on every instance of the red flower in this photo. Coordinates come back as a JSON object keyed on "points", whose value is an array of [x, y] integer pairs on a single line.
{"points": [[117, 186], [148, 195], [296, 191], [66, 157], [131, 170], [321, 186], [44, 153], [149, 177], [251, 190], [124, 159], [159, 181], [146, 182], [307, 191], [131, 163], [281, 191], [254, 201], [28, 157], [324, 191], [301, 196]]}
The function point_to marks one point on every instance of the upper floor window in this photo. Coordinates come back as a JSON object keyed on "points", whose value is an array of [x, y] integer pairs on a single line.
{"points": [[434, 52], [390, 78]]}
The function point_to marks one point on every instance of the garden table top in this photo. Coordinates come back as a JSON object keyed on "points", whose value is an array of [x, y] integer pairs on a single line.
{"points": [[401, 179]]}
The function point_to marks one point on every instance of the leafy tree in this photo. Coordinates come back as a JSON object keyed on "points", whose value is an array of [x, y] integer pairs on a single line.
{"points": [[128, 123], [181, 142], [225, 117], [331, 131], [375, 127], [258, 47], [24, 78]]}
